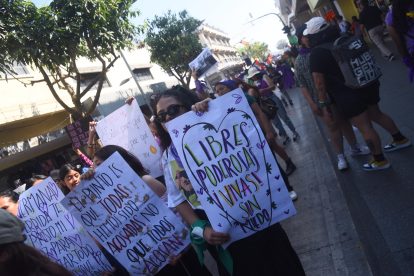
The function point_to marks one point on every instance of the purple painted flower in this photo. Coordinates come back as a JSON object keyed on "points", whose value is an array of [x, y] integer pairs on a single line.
{"points": [[261, 145], [238, 98], [186, 128], [230, 110], [175, 132], [199, 114]]}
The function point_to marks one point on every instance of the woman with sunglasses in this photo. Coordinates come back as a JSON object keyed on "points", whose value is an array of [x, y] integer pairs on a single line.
{"points": [[268, 252]]}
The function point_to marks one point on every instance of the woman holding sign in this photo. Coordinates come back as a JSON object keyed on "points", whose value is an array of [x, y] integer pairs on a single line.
{"points": [[186, 263], [267, 252]]}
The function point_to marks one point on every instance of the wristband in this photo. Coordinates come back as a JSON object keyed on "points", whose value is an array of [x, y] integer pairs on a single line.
{"points": [[323, 104]]}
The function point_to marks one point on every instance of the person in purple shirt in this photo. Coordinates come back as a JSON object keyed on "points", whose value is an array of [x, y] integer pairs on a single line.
{"points": [[400, 24]]}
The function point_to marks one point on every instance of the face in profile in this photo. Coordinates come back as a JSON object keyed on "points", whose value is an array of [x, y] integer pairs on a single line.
{"points": [[6, 203]]}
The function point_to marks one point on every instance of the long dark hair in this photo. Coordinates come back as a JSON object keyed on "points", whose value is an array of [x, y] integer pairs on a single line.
{"points": [[65, 169], [399, 17], [184, 97], [325, 36], [18, 258], [106, 151]]}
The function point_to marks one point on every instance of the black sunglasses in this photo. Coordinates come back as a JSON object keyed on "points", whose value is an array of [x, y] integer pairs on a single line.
{"points": [[171, 111]]}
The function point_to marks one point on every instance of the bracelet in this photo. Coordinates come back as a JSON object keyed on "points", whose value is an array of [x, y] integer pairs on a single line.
{"points": [[323, 104]]}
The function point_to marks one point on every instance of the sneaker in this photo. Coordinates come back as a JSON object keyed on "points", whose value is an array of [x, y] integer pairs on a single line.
{"points": [[290, 167], [376, 165], [293, 195], [391, 57], [396, 145], [295, 137], [286, 140], [342, 164], [360, 151]]}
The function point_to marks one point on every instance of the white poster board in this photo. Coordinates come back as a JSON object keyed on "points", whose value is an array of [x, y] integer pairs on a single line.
{"points": [[231, 167], [203, 62], [121, 212], [127, 128], [55, 232]]}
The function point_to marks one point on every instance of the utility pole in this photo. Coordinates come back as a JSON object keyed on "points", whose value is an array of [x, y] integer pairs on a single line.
{"points": [[136, 81]]}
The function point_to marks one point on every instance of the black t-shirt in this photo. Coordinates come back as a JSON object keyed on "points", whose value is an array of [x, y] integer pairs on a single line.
{"points": [[370, 17], [322, 61]]}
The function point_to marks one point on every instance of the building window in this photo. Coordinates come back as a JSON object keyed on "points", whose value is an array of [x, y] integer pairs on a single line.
{"points": [[142, 74], [88, 78]]}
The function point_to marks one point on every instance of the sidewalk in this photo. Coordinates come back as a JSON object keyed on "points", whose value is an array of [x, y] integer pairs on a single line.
{"points": [[354, 222], [322, 233]]}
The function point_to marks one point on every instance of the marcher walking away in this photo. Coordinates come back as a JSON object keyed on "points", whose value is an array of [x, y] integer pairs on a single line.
{"points": [[359, 105], [370, 19], [335, 123]]}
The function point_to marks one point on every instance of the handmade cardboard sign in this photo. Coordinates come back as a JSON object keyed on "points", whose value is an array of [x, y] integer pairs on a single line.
{"points": [[231, 167], [127, 128], [54, 231], [123, 214]]}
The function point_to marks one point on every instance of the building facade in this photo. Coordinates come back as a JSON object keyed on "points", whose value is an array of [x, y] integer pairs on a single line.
{"points": [[32, 121], [229, 61]]}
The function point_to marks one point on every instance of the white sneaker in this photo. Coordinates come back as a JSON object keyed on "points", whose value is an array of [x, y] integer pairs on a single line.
{"points": [[342, 164], [364, 150], [293, 195]]}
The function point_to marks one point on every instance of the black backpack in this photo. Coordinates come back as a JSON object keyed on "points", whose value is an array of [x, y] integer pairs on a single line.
{"points": [[355, 61], [268, 106]]}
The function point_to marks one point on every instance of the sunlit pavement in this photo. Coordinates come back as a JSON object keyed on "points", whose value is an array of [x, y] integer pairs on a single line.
{"points": [[355, 222]]}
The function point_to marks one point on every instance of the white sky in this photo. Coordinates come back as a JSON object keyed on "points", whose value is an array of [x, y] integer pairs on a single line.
{"points": [[230, 16]]}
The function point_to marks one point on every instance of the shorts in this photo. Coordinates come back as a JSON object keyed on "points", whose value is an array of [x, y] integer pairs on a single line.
{"points": [[352, 102]]}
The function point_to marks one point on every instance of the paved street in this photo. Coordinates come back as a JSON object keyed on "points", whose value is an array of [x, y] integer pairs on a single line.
{"points": [[354, 222]]}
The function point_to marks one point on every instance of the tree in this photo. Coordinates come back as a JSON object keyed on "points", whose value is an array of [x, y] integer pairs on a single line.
{"points": [[53, 37], [282, 44], [173, 43], [255, 50]]}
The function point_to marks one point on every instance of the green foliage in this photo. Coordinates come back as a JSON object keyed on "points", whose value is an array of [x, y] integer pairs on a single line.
{"points": [[51, 38], [173, 43], [255, 50]]}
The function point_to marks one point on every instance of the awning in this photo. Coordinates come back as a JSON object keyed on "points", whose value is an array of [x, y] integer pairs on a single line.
{"points": [[34, 152], [16, 131]]}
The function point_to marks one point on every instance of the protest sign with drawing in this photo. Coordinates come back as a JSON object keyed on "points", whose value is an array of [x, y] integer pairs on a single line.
{"points": [[231, 167], [126, 127], [122, 213], [55, 232], [203, 62]]}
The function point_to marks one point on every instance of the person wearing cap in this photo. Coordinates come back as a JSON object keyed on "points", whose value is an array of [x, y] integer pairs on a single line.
{"points": [[17, 258], [266, 87], [336, 125], [360, 106]]}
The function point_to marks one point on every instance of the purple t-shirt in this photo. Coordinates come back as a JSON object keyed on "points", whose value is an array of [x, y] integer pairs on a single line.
{"points": [[409, 36]]}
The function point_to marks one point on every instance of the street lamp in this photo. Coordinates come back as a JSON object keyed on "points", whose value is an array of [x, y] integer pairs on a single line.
{"points": [[286, 29]]}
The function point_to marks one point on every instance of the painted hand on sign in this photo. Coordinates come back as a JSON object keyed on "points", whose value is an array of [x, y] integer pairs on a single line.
{"points": [[231, 167]]}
